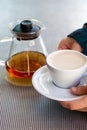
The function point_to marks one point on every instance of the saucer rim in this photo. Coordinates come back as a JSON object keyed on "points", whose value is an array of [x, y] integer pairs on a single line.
{"points": [[50, 97]]}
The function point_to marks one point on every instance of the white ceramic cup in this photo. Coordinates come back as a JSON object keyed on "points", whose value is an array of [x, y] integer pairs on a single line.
{"points": [[66, 67]]}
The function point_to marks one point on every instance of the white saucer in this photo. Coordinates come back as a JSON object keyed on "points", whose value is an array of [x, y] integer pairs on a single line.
{"points": [[42, 82]]}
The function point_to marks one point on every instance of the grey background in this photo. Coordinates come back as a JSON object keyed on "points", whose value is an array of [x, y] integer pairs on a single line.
{"points": [[59, 16], [24, 108]]}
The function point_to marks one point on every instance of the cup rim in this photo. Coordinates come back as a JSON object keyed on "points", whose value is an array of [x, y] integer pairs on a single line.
{"points": [[60, 51]]}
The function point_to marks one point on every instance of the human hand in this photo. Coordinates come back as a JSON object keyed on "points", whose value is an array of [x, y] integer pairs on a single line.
{"points": [[69, 43], [79, 104]]}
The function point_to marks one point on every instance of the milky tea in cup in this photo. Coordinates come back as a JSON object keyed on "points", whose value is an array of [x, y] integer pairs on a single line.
{"points": [[66, 67]]}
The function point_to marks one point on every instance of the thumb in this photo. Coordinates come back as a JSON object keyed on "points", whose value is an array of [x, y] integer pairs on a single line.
{"points": [[79, 90]]}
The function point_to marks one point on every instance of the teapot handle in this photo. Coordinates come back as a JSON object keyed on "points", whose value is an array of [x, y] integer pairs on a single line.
{"points": [[6, 39], [4, 49]]}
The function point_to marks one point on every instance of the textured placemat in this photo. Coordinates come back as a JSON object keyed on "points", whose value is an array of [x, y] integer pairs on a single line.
{"points": [[25, 109]]}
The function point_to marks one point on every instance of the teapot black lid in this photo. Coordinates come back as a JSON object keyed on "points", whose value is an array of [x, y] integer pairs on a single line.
{"points": [[26, 30]]}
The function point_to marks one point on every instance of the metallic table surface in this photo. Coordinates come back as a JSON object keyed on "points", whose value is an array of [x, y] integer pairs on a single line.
{"points": [[25, 109]]}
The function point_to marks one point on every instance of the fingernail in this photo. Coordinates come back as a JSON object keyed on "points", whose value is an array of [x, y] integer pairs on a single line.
{"points": [[74, 89]]}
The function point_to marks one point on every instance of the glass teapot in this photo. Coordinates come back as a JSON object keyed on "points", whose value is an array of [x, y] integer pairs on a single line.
{"points": [[27, 51]]}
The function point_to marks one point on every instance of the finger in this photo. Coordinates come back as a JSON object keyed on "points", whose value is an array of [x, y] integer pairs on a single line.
{"points": [[64, 45], [65, 104], [76, 46], [76, 104], [80, 90], [83, 109]]}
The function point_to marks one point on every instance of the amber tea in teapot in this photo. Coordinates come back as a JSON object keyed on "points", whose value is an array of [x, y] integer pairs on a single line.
{"points": [[24, 64]]}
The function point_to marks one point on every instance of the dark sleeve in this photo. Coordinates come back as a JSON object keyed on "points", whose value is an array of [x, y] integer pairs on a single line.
{"points": [[80, 36]]}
